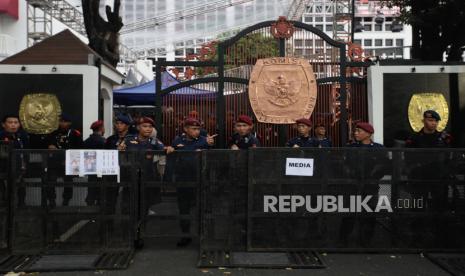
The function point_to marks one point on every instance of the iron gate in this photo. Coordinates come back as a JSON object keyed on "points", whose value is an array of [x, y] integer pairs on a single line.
{"points": [[220, 92]]}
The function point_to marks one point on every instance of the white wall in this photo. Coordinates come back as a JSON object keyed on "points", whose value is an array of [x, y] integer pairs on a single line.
{"points": [[90, 86]]}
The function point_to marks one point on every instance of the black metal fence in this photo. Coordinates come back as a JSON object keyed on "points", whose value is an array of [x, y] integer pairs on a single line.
{"points": [[236, 201]]}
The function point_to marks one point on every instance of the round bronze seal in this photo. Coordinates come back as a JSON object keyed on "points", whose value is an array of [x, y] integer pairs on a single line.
{"points": [[282, 90], [39, 113]]}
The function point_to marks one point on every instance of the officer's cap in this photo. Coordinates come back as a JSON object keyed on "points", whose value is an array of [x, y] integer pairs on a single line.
{"points": [[96, 125], [304, 121], [124, 119], [432, 114], [366, 127], [66, 117], [244, 119], [191, 122], [146, 120]]}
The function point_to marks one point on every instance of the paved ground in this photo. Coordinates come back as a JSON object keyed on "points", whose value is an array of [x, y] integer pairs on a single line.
{"points": [[164, 259]]}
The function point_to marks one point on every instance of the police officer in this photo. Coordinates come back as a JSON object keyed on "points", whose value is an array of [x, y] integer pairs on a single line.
{"points": [[320, 138], [121, 126], [429, 136], [122, 123], [95, 141], [13, 134], [368, 177], [65, 137], [144, 143], [185, 169], [243, 137], [363, 136], [433, 168], [304, 140]]}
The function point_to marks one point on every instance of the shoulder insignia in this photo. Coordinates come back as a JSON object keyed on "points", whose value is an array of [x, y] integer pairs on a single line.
{"points": [[133, 142]]}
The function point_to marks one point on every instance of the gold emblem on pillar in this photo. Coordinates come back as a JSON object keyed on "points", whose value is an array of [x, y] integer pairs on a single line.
{"points": [[421, 102], [39, 113]]}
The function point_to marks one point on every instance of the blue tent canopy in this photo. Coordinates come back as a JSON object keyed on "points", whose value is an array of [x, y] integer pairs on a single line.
{"points": [[145, 94]]}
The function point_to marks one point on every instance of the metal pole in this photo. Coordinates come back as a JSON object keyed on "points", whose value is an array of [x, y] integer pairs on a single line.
{"points": [[220, 105], [352, 31], [158, 102], [282, 133]]}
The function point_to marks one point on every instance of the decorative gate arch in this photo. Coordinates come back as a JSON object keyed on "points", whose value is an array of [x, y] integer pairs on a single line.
{"points": [[221, 93]]}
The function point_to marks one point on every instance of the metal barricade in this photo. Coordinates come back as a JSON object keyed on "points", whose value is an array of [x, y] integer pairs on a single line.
{"points": [[54, 214]]}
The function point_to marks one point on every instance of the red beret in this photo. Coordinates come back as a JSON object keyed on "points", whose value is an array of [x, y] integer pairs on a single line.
{"points": [[96, 125], [304, 121], [244, 119], [146, 120], [365, 126], [191, 122]]}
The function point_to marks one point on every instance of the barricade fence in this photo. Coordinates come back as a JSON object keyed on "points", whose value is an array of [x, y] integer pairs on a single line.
{"points": [[258, 200]]}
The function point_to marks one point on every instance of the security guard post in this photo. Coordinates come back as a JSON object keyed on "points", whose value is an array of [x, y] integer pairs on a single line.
{"points": [[63, 138], [185, 169], [304, 140], [95, 141], [243, 137]]}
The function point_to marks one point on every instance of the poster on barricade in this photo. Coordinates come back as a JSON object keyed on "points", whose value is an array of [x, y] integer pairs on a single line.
{"points": [[92, 162]]}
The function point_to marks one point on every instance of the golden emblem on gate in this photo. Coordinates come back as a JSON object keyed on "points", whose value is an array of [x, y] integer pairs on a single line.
{"points": [[282, 90], [39, 113], [421, 102]]}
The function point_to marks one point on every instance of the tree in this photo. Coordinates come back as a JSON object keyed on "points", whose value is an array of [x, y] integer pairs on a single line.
{"points": [[437, 27]]}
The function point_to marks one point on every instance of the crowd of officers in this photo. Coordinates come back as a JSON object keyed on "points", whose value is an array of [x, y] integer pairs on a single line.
{"points": [[192, 138]]}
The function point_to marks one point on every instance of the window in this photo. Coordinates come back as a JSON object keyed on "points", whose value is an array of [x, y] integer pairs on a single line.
{"points": [[367, 27], [179, 52], [368, 42], [368, 19], [308, 19], [387, 27], [329, 28], [298, 43], [378, 27], [298, 52], [400, 42], [190, 51], [358, 41], [318, 19], [308, 43], [319, 27], [340, 28], [399, 52], [389, 42], [378, 42]]}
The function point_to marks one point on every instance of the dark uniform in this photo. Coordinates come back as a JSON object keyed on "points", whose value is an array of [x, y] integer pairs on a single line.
{"points": [[244, 142], [322, 143], [429, 166], [301, 141], [18, 140], [367, 168], [184, 168], [148, 172], [95, 141], [112, 143], [62, 140]]}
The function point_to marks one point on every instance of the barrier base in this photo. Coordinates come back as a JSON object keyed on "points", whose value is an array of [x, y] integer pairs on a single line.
{"points": [[290, 259], [42, 263]]}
